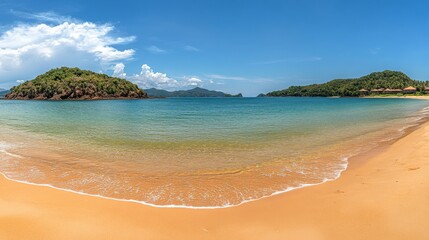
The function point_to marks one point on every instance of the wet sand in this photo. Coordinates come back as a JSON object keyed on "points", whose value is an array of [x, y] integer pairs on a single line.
{"points": [[383, 195]]}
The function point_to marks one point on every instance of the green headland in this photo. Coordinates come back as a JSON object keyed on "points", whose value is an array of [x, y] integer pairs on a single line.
{"points": [[377, 83], [73, 83]]}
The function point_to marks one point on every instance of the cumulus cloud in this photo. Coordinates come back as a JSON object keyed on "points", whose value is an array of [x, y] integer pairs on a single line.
{"points": [[193, 81], [148, 78], [27, 49], [44, 40], [119, 70]]}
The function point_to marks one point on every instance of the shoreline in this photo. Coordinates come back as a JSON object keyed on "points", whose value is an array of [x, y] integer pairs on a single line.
{"points": [[345, 165], [382, 194], [426, 97]]}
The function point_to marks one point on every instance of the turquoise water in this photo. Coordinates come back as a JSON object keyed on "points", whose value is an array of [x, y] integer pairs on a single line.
{"points": [[194, 151]]}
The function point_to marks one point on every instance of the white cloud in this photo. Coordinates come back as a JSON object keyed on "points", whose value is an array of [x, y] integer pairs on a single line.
{"points": [[222, 77], [191, 48], [119, 70], [148, 78], [155, 49], [28, 49], [43, 16], [20, 81], [194, 81]]}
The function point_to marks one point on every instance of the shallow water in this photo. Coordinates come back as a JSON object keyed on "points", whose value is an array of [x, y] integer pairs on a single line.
{"points": [[197, 152]]}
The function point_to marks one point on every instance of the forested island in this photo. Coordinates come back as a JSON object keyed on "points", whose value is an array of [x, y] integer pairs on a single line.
{"points": [[386, 82], [73, 83], [195, 92]]}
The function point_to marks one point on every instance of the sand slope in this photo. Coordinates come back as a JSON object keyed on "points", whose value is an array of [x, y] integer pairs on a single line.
{"points": [[385, 196]]}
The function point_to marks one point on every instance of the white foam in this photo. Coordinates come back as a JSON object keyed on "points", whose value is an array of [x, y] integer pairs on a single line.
{"points": [[4, 146], [10, 154], [288, 189]]}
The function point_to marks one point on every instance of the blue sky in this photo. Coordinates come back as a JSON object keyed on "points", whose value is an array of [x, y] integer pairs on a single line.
{"points": [[235, 46]]}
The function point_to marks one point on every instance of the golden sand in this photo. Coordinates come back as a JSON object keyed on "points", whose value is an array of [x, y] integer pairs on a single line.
{"points": [[384, 195], [423, 97]]}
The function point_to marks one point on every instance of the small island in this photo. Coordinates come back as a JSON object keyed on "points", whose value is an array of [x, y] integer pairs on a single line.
{"points": [[393, 83], [75, 84]]}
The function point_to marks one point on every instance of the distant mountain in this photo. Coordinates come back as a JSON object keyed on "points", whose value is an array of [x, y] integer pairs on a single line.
{"points": [[74, 83], [153, 92], [195, 92], [3, 92]]}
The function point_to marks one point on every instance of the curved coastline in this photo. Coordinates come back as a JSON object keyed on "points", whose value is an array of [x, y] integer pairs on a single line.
{"points": [[303, 185], [391, 183], [404, 131]]}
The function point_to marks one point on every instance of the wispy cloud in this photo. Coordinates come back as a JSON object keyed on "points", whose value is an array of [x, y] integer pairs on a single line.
{"points": [[269, 62], [307, 59], [223, 77], [191, 48], [375, 51], [212, 77], [43, 16], [155, 49]]}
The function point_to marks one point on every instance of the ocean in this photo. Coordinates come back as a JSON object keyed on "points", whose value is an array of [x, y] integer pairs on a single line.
{"points": [[194, 152]]}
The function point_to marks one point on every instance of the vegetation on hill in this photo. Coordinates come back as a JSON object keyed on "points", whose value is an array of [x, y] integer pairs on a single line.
{"points": [[74, 83], [351, 87], [195, 92]]}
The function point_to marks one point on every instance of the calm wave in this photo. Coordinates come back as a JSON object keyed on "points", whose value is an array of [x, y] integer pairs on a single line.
{"points": [[199, 152]]}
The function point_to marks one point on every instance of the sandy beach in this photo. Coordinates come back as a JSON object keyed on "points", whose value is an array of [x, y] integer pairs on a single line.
{"points": [[422, 97], [383, 195], [214, 120]]}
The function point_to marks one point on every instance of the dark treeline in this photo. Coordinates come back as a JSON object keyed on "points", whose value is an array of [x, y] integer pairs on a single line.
{"points": [[351, 87]]}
